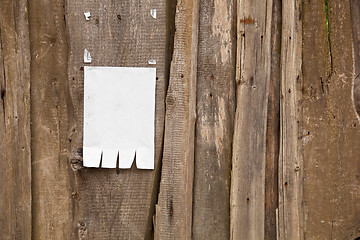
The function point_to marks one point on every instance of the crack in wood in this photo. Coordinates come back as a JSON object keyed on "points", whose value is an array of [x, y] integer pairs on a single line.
{"points": [[3, 83]]}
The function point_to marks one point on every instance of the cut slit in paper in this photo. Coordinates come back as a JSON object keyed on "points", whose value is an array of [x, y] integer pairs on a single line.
{"points": [[119, 109]]}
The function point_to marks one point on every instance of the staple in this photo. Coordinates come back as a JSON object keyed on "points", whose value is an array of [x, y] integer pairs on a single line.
{"points": [[153, 13], [87, 16], [87, 56], [152, 61]]}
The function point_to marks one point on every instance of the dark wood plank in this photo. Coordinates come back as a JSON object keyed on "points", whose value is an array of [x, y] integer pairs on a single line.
{"points": [[214, 121], [15, 137], [316, 74], [331, 157], [249, 146], [355, 13], [51, 173], [113, 204], [174, 208]]}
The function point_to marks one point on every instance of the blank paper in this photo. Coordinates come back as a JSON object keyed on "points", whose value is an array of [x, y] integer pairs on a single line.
{"points": [[119, 109]]}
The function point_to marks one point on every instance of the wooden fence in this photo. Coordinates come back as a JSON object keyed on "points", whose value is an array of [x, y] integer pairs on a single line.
{"points": [[257, 131]]}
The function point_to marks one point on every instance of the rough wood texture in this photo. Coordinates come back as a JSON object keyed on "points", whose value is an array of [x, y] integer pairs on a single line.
{"points": [[291, 133], [15, 138], [290, 159], [51, 173], [215, 116], [331, 158], [355, 12], [273, 127], [249, 147], [174, 208], [316, 79], [115, 204]]}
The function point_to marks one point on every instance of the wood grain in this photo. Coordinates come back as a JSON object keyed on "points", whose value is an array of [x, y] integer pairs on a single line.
{"points": [[15, 136], [51, 172], [273, 126], [174, 208], [317, 69], [249, 147], [110, 203], [355, 13], [331, 154], [290, 159], [214, 122]]}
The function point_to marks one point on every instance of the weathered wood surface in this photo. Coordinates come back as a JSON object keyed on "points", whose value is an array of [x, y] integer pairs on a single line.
{"points": [[51, 174], [331, 154], [174, 208], [273, 127], [113, 204], [287, 121], [249, 147], [215, 115], [15, 136], [317, 71], [290, 159], [355, 13]]}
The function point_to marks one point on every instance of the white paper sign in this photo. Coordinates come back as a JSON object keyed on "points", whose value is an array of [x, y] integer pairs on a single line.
{"points": [[119, 109]]}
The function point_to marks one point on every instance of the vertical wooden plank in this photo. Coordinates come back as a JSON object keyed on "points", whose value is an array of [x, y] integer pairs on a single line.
{"points": [[115, 204], [273, 126], [174, 209], [331, 157], [214, 122], [316, 78], [290, 159], [249, 146], [51, 174], [344, 148], [355, 13], [15, 136]]}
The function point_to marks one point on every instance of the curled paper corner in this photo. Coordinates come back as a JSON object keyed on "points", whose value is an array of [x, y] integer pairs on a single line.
{"points": [[152, 62], [153, 13], [87, 16], [87, 56]]}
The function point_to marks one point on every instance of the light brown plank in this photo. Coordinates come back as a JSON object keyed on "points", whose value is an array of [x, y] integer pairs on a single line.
{"points": [[290, 159], [51, 172], [249, 146], [15, 137], [174, 208], [331, 159], [215, 116], [273, 126], [114, 204]]}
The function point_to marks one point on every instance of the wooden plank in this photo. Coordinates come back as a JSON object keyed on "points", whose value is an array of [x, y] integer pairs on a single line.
{"points": [[174, 208], [290, 159], [316, 78], [214, 122], [15, 136], [355, 13], [112, 204], [331, 159], [51, 174], [273, 127], [249, 147]]}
